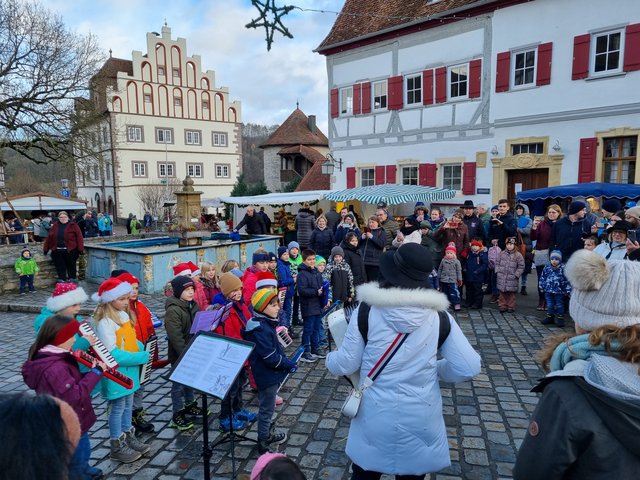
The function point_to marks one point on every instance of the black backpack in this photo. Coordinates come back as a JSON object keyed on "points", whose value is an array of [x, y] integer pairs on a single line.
{"points": [[363, 324]]}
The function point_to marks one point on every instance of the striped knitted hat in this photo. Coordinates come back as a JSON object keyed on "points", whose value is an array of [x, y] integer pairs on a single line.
{"points": [[262, 298]]}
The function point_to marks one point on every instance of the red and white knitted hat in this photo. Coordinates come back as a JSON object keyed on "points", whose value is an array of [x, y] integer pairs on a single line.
{"points": [[181, 269], [266, 279], [451, 248], [64, 295], [111, 289], [194, 269]]}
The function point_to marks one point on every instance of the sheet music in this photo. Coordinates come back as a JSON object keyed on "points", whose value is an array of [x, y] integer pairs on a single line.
{"points": [[211, 363]]}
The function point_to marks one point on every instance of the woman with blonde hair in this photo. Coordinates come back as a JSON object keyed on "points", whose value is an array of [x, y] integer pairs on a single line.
{"points": [[541, 232], [587, 422]]}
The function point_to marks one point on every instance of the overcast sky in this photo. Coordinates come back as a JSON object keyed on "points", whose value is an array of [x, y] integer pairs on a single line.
{"points": [[267, 83]]}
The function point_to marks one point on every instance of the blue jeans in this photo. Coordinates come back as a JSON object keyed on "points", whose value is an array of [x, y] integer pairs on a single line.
{"points": [[311, 332], [180, 395], [451, 291], [120, 416], [137, 398], [267, 397], [284, 317], [555, 303], [79, 463]]}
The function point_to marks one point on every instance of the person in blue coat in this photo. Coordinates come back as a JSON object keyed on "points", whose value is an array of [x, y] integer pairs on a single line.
{"points": [[322, 240], [476, 274]]}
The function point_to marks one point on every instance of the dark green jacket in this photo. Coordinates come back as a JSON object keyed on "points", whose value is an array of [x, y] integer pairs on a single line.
{"points": [[177, 321]]}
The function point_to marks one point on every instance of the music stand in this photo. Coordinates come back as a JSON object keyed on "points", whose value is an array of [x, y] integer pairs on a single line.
{"points": [[210, 365]]}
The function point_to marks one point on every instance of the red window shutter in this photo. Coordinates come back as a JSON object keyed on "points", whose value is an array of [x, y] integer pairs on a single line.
{"points": [[441, 85], [396, 100], [380, 177], [587, 160], [503, 71], [632, 48], [475, 78], [391, 173], [427, 86], [543, 76], [580, 68], [469, 178], [427, 174], [366, 97], [351, 177], [357, 90], [334, 103]]}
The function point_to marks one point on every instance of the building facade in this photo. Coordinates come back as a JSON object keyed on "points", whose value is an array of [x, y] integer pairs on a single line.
{"points": [[485, 97], [164, 119]]}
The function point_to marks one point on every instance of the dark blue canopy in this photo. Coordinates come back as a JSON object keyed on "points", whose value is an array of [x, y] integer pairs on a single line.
{"points": [[593, 189]]}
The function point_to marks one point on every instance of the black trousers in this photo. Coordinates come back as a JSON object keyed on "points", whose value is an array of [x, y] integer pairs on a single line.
{"points": [[360, 474], [235, 392], [65, 263], [475, 294]]}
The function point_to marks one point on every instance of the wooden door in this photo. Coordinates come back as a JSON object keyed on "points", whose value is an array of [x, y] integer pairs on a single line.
{"points": [[529, 179]]}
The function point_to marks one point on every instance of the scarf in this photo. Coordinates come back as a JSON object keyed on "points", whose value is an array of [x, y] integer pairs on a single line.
{"points": [[578, 347]]}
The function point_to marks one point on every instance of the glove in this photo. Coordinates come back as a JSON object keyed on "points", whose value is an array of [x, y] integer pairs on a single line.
{"points": [[459, 283]]}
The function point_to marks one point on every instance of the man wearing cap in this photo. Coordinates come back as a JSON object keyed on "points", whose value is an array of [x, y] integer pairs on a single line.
{"points": [[389, 225], [569, 232], [473, 222], [255, 223]]}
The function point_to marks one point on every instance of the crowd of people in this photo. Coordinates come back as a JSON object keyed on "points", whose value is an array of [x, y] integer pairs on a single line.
{"points": [[406, 273]]}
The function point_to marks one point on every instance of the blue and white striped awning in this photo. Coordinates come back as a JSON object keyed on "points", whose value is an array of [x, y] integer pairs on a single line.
{"points": [[392, 194]]}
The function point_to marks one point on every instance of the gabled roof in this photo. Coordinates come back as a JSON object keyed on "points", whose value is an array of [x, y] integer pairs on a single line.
{"points": [[295, 131], [314, 178], [107, 76], [361, 19]]}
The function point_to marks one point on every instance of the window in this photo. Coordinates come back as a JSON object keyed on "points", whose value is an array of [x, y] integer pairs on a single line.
{"points": [[380, 95], [205, 105], [166, 170], [346, 101], [134, 134], [524, 68], [139, 169], [108, 172], [147, 98], [176, 72], [161, 70], [518, 148], [105, 135], [607, 48], [414, 89], [96, 172], [194, 170], [222, 171], [192, 137], [410, 175], [620, 159], [452, 177], [219, 139], [458, 81], [177, 102], [164, 135], [367, 177]]}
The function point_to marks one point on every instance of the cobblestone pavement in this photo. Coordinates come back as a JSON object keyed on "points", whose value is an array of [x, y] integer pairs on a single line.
{"points": [[486, 418]]}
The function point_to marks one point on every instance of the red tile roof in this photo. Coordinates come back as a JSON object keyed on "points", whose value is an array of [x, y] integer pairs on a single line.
{"points": [[364, 18], [314, 178], [295, 131]]}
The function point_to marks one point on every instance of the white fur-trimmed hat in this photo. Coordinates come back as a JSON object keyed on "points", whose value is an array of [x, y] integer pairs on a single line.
{"points": [[604, 292], [111, 289], [64, 295]]}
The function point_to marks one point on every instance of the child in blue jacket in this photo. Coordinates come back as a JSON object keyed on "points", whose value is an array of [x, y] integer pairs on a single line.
{"points": [[476, 274], [286, 280], [311, 292], [555, 287]]}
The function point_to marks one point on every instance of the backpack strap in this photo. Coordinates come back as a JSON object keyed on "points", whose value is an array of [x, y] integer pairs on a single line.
{"points": [[363, 324]]}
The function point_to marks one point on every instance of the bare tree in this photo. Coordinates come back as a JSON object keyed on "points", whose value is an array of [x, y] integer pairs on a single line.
{"points": [[153, 196], [44, 67]]}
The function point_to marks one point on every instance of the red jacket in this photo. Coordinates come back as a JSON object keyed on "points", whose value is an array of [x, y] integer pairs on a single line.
{"points": [[143, 323], [200, 296], [237, 319], [72, 238]]}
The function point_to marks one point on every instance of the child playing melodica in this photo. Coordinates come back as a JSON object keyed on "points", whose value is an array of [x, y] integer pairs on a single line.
{"points": [[269, 364], [555, 287], [66, 300], [116, 332], [51, 369]]}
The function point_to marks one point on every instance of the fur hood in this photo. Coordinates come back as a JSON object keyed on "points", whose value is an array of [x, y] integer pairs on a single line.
{"points": [[375, 296]]}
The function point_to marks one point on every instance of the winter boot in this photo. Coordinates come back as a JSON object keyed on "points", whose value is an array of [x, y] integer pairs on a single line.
{"points": [[140, 424], [549, 320], [121, 452], [136, 444], [180, 422], [560, 321], [523, 290], [265, 446]]}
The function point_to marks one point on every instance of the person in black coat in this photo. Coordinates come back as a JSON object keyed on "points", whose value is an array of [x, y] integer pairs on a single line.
{"points": [[309, 285], [569, 232], [265, 219], [254, 222], [503, 225], [353, 257], [322, 240], [473, 222], [476, 274]]}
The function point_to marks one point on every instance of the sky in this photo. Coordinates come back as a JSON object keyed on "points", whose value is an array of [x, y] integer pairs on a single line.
{"points": [[267, 83]]}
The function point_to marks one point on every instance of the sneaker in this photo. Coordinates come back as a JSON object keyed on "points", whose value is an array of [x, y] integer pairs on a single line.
{"points": [[246, 416], [549, 320], [307, 357], [264, 446], [225, 424], [194, 410], [140, 424], [22, 293], [180, 422], [319, 353], [279, 400], [33, 291]]}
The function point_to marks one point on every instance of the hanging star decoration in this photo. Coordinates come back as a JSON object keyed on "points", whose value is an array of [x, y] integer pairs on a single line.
{"points": [[268, 9]]}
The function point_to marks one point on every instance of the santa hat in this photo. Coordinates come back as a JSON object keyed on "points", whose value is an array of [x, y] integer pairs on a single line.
{"points": [[451, 248], [64, 295], [181, 269], [266, 279], [194, 269], [127, 277], [111, 289]]}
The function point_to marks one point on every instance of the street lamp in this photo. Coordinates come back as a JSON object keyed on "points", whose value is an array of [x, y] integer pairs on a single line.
{"points": [[329, 165]]}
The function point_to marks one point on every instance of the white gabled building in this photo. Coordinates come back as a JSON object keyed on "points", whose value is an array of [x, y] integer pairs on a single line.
{"points": [[485, 96], [165, 118]]}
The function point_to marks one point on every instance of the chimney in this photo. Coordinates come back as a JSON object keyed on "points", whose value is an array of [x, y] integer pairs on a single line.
{"points": [[312, 123]]}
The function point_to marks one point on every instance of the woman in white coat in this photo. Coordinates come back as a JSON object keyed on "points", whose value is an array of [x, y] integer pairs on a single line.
{"points": [[399, 428]]}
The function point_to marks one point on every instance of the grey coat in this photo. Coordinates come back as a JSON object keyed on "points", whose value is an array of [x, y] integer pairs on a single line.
{"points": [[509, 269], [450, 271]]}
